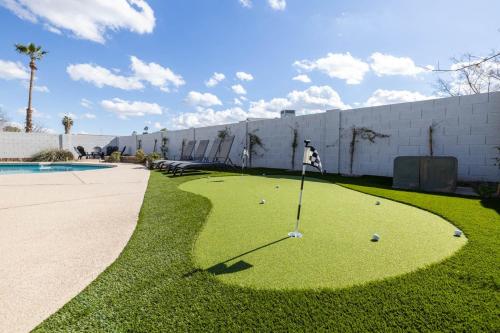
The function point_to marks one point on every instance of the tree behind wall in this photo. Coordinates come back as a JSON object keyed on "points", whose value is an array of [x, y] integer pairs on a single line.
{"points": [[34, 53], [470, 74]]}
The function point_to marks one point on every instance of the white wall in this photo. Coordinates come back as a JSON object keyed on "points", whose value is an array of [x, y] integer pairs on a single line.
{"points": [[467, 127], [25, 145]]}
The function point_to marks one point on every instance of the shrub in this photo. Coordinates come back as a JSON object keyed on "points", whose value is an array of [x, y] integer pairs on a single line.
{"points": [[140, 156], [152, 157], [115, 157], [53, 155]]}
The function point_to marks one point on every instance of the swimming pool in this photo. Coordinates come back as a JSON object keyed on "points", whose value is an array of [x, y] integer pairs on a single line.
{"points": [[15, 168]]}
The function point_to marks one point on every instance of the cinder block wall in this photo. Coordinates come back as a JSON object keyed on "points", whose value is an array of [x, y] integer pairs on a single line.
{"points": [[25, 145], [467, 127]]}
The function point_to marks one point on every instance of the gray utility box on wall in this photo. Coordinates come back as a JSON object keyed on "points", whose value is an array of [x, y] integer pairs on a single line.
{"points": [[426, 173]]}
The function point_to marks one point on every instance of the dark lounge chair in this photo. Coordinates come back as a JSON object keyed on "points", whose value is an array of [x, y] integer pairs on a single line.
{"points": [[199, 155], [185, 156], [81, 152], [221, 158]]}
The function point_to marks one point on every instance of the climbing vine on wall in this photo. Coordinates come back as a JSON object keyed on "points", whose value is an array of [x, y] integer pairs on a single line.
{"points": [[295, 143], [254, 141], [362, 133]]}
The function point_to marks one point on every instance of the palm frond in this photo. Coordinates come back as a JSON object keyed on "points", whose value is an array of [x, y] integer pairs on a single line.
{"points": [[20, 48]]}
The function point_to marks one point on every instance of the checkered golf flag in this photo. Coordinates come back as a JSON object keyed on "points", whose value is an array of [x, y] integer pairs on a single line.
{"points": [[311, 157]]}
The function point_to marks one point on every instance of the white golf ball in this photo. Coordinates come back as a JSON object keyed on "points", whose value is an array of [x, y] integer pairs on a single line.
{"points": [[458, 233], [375, 238], [262, 201]]}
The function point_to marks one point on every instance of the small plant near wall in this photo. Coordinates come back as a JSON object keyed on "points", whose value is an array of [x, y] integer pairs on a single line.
{"points": [[222, 134], [254, 141], [295, 144], [140, 156], [164, 145], [53, 155], [115, 157], [151, 158], [362, 133]]}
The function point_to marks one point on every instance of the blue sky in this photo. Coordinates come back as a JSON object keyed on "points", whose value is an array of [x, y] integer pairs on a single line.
{"points": [[117, 65]]}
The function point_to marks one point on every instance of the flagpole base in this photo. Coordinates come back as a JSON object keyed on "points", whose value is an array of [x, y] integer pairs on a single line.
{"points": [[294, 234]]}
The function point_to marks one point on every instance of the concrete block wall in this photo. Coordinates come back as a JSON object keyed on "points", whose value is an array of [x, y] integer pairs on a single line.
{"points": [[24, 145], [467, 127]]}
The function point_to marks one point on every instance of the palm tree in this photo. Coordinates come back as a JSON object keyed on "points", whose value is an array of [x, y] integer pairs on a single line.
{"points": [[34, 53], [67, 123]]}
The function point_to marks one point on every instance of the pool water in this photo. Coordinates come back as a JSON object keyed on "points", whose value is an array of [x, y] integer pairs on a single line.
{"points": [[15, 168]]}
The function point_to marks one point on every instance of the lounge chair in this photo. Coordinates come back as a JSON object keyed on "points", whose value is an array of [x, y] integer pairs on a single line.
{"points": [[81, 152], [221, 158], [185, 156], [199, 155], [123, 151]]}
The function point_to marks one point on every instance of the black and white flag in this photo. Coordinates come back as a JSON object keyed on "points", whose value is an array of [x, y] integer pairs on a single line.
{"points": [[311, 157]]}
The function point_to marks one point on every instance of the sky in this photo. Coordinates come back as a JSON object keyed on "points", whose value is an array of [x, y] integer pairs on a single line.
{"points": [[116, 66]]}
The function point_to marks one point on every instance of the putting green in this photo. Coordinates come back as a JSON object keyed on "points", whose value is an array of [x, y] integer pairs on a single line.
{"points": [[244, 242]]}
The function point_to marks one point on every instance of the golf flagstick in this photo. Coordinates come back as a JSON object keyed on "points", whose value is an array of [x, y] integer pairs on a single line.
{"points": [[311, 157]]}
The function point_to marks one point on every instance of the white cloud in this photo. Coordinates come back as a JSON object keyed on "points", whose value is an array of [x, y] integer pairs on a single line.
{"points": [[239, 89], [215, 79], [100, 77], [36, 113], [195, 98], [86, 103], [385, 64], [383, 97], [124, 109], [302, 78], [237, 101], [89, 116], [43, 89], [208, 117], [155, 74], [10, 70], [89, 19], [312, 100], [246, 3], [337, 65], [244, 76], [277, 4]]}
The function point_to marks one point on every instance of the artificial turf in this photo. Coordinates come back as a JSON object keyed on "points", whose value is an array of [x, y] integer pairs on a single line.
{"points": [[154, 285], [244, 241]]}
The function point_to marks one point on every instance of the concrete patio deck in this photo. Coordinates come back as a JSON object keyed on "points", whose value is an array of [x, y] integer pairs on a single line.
{"points": [[58, 232]]}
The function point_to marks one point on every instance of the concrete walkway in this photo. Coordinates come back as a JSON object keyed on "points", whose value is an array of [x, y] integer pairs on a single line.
{"points": [[58, 231]]}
